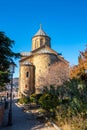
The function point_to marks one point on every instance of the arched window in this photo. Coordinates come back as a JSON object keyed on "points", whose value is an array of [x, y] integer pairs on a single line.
{"points": [[47, 42], [27, 74], [25, 85], [36, 43], [41, 42]]}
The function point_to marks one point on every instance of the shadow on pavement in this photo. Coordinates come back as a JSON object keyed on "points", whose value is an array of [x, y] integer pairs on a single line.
{"points": [[20, 119]]}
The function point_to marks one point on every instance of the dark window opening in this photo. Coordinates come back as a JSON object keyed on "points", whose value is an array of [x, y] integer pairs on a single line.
{"points": [[27, 74], [25, 86]]}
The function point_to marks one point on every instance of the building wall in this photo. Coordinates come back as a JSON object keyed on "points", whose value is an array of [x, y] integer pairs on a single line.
{"points": [[42, 63], [39, 41], [27, 79]]}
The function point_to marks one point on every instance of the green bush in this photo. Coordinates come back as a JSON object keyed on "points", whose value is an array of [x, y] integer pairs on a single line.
{"points": [[48, 101], [69, 102], [35, 97], [72, 107], [24, 100]]}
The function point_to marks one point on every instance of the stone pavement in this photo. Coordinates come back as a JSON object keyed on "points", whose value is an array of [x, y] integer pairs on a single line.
{"points": [[23, 120]]}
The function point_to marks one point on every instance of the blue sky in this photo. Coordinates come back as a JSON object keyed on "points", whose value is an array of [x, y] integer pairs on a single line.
{"points": [[65, 21]]}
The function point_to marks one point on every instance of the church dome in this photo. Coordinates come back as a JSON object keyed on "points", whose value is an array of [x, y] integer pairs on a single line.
{"points": [[41, 32], [40, 39]]}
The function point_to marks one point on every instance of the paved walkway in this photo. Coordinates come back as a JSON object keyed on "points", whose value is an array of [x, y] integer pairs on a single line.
{"points": [[23, 120]]}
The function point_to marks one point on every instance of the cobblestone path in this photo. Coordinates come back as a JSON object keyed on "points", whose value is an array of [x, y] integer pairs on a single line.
{"points": [[22, 120]]}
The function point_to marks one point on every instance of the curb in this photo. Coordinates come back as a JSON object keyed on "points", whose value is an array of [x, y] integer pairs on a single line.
{"points": [[55, 126]]}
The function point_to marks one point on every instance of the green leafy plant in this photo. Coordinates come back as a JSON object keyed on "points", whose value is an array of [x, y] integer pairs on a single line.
{"points": [[6, 56], [24, 100], [48, 101], [35, 98]]}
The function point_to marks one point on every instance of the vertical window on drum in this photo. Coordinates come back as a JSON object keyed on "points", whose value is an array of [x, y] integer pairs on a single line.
{"points": [[25, 86], [36, 43], [41, 42], [27, 74]]}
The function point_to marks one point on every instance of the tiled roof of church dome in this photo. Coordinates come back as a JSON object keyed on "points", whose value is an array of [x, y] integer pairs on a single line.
{"points": [[40, 32]]}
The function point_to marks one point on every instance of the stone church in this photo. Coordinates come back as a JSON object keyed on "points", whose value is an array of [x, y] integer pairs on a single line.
{"points": [[35, 64]]}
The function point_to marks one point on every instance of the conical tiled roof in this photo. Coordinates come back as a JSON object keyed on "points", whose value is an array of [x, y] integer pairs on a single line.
{"points": [[40, 32]]}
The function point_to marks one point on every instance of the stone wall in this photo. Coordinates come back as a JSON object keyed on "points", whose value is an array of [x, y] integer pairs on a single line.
{"points": [[39, 41], [27, 79], [42, 63], [1, 113]]}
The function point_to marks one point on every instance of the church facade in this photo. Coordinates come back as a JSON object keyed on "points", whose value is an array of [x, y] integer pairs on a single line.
{"points": [[35, 64]]}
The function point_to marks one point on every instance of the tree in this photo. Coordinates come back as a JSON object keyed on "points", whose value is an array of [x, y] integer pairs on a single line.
{"points": [[6, 56], [48, 101], [57, 74], [79, 71]]}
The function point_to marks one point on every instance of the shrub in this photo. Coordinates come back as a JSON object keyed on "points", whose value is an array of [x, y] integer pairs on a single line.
{"points": [[24, 100], [35, 97], [48, 101], [72, 110]]}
